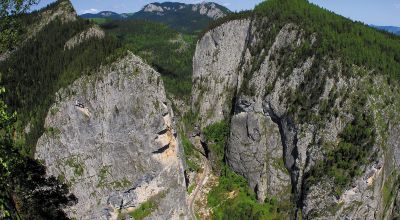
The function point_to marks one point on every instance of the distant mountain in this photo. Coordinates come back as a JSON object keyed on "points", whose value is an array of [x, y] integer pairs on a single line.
{"points": [[196, 16], [103, 14], [391, 29]]}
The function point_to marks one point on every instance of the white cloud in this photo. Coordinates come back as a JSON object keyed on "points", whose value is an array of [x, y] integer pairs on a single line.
{"points": [[91, 10]]}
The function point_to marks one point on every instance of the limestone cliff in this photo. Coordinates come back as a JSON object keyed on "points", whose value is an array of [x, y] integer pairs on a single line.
{"points": [[288, 110], [111, 137]]}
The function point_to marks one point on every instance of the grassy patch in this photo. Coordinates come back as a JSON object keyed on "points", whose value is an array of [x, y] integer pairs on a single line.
{"points": [[76, 165], [52, 131], [103, 175], [191, 188], [99, 20], [146, 208], [121, 183], [233, 199]]}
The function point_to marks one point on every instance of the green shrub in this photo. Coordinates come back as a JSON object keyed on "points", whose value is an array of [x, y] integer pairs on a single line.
{"points": [[216, 136], [343, 161], [233, 199], [168, 51]]}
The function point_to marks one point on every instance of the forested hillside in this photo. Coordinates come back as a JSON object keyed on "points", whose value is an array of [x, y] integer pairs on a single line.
{"points": [[41, 67], [27, 191], [168, 51], [185, 18], [297, 57], [287, 111]]}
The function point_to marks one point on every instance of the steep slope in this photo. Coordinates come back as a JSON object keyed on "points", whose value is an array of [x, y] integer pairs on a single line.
{"points": [[167, 50], [312, 123], [63, 48], [197, 16], [35, 22], [118, 152], [120, 149]]}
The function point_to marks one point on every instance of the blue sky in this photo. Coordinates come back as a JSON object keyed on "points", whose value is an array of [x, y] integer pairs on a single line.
{"points": [[378, 12]]}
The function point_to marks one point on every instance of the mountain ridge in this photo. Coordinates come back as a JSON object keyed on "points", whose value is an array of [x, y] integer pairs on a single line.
{"points": [[391, 29], [197, 16], [295, 109]]}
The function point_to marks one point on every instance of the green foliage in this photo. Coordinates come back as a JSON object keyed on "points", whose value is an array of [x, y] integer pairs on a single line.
{"points": [[188, 120], [337, 36], [183, 19], [233, 199], [168, 51], [99, 20], [10, 24], [216, 136], [191, 188], [343, 161], [187, 145], [37, 70], [104, 171], [74, 163], [189, 152], [228, 17], [25, 191], [146, 208]]}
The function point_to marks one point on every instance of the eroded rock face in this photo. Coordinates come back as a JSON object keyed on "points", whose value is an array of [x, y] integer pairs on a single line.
{"points": [[209, 9], [256, 90], [215, 63], [119, 149]]}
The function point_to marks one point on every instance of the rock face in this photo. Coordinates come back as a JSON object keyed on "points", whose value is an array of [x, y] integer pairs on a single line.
{"points": [[93, 32], [210, 10], [215, 63], [117, 148], [246, 73], [153, 8]]}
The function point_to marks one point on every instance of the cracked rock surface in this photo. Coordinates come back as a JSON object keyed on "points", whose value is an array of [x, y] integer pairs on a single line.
{"points": [[124, 151], [254, 85]]}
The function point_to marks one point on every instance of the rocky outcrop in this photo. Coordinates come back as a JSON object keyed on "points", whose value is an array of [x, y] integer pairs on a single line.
{"points": [[92, 32], [285, 108], [117, 148], [215, 64], [62, 10], [209, 9], [153, 8]]}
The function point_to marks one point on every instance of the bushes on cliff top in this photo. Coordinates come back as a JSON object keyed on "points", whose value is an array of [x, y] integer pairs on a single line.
{"points": [[344, 161], [168, 51], [337, 36], [38, 69]]}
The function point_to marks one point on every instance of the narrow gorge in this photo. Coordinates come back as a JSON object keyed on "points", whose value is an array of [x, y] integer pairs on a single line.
{"points": [[284, 114]]}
